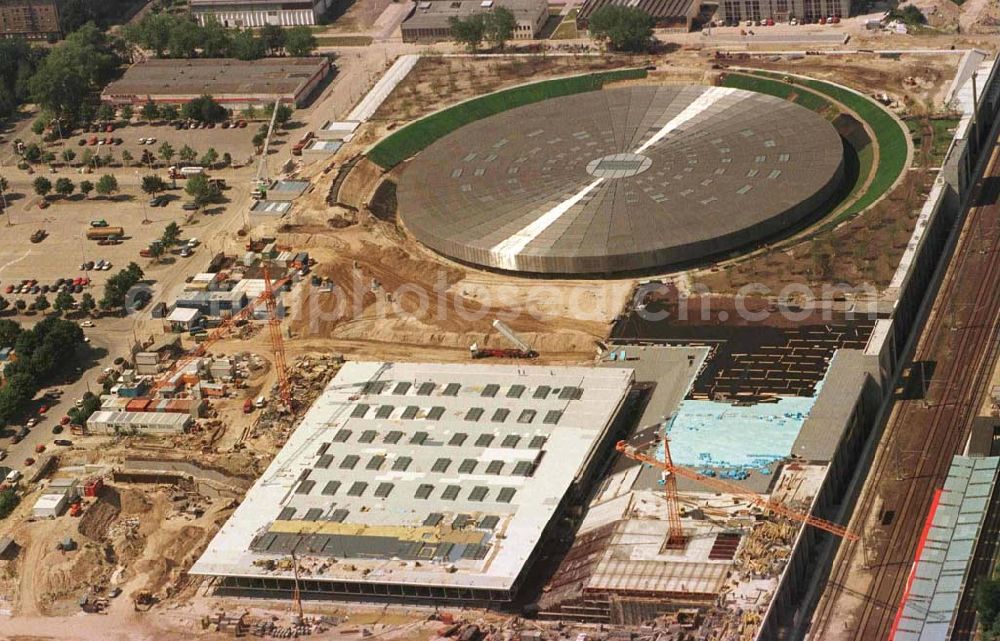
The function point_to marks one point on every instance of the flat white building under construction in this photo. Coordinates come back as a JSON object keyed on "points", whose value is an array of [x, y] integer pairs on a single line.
{"points": [[420, 482]]}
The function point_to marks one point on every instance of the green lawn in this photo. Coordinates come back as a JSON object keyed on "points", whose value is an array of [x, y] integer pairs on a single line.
{"points": [[567, 28], [343, 41], [412, 138], [783, 90], [890, 137]]}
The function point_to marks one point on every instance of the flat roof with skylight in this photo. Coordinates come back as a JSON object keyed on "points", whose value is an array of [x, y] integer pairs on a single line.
{"points": [[427, 480]]}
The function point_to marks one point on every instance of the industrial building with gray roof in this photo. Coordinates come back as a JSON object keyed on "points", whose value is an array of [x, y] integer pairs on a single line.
{"points": [[424, 481], [622, 179]]}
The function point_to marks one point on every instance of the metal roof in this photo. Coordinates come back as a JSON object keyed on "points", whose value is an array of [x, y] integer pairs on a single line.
{"points": [[620, 179], [376, 496], [944, 561]]}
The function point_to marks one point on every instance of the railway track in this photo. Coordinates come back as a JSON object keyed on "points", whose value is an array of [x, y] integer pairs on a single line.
{"points": [[869, 576]]}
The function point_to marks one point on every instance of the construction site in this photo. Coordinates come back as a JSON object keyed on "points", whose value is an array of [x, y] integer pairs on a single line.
{"points": [[496, 373]]}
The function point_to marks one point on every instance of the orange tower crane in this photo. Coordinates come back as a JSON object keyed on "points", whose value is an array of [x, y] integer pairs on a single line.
{"points": [[277, 342], [722, 486], [221, 331]]}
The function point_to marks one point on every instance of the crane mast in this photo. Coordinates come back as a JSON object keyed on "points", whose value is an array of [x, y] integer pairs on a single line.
{"points": [[729, 488]]}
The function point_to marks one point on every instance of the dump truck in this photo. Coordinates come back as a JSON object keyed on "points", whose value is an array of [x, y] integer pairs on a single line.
{"points": [[102, 233]]}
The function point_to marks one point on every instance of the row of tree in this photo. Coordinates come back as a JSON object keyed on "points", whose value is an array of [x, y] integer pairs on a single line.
{"points": [[172, 36], [106, 186], [496, 27], [42, 352], [64, 302]]}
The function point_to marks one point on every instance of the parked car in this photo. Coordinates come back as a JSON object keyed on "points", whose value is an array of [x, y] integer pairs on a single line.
{"points": [[189, 207], [63, 442]]}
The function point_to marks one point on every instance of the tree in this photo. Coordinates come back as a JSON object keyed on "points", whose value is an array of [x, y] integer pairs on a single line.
{"points": [[64, 187], [38, 127], [107, 185], [134, 272], [166, 152], [4, 303], [127, 113], [200, 190], [909, 14], [250, 113], [48, 158], [105, 113], [468, 31], [210, 158], [227, 159], [42, 186], [73, 71], [184, 38], [153, 185], [32, 153], [126, 158], [86, 187], [68, 155], [64, 302], [8, 498], [168, 112], [499, 26], [9, 331], [87, 303], [273, 37], [170, 235], [284, 114], [152, 32], [155, 251], [87, 159], [622, 28], [988, 602], [258, 140], [215, 40], [150, 111], [300, 41], [41, 303], [204, 109], [247, 47], [20, 304], [187, 154]]}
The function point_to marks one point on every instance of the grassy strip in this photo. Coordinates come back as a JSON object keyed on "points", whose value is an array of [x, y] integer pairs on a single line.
{"points": [[343, 41], [782, 90], [412, 138], [891, 138]]}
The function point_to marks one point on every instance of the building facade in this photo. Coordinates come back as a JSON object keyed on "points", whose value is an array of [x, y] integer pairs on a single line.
{"points": [[781, 10], [670, 15], [257, 13], [29, 19], [431, 20]]}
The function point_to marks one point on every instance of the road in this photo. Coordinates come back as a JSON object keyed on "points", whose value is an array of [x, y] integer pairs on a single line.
{"points": [[868, 578]]}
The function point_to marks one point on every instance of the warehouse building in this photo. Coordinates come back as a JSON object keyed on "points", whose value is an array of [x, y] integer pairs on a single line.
{"points": [[431, 20], [123, 422], [29, 19], [239, 14], [236, 84], [421, 482], [674, 15], [781, 10]]}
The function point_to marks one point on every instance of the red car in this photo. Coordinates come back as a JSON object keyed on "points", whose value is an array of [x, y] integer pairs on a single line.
{"points": [[77, 281], [43, 409], [85, 281], [10, 289], [109, 128], [64, 420]]}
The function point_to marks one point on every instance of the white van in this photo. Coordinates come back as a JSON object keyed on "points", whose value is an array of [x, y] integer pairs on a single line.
{"points": [[13, 476], [261, 401]]}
